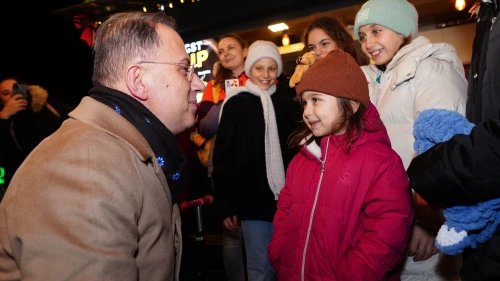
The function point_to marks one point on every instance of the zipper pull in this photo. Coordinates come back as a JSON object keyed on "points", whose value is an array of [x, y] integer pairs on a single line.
{"points": [[322, 166], [493, 20]]}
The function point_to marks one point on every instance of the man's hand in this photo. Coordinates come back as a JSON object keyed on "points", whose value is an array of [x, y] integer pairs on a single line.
{"points": [[421, 244], [13, 106], [231, 223]]}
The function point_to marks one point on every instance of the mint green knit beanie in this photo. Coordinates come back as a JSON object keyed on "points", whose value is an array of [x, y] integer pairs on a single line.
{"points": [[399, 16]]}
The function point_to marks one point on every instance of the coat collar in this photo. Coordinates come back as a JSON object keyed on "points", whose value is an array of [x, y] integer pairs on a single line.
{"points": [[376, 132], [104, 118], [405, 63]]}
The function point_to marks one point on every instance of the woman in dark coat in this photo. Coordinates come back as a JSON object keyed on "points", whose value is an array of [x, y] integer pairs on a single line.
{"points": [[465, 171], [25, 120]]}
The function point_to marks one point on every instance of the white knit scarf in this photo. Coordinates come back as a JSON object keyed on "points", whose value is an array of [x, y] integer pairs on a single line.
{"points": [[274, 161]]}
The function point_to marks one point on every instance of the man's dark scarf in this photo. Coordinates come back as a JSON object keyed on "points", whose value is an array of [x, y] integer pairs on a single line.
{"points": [[162, 141]]}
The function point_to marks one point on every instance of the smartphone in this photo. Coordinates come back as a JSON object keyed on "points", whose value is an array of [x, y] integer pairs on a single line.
{"points": [[19, 88]]}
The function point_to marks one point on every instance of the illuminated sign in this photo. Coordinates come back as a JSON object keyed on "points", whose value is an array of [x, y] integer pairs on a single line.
{"points": [[196, 53], [203, 54], [2, 175]]}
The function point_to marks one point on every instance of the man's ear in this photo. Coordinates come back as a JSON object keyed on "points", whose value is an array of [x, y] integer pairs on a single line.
{"points": [[135, 83], [354, 105]]}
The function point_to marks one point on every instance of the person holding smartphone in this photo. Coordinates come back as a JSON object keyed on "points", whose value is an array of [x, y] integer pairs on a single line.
{"points": [[27, 116]]}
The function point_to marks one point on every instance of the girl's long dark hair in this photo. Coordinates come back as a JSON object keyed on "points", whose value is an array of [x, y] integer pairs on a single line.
{"points": [[222, 73], [353, 123], [337, 31]]}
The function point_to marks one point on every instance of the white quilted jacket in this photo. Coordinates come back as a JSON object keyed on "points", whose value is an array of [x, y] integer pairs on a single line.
{"points": [[422, 75]]}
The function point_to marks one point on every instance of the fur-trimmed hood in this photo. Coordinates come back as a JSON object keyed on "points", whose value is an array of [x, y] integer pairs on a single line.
{"points": [[39, 97]]}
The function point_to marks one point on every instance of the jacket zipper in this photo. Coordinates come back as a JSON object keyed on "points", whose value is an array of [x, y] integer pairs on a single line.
{"points": [[302, 272]]}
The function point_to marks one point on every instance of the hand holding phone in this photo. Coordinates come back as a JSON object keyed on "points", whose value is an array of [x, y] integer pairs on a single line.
{"points": [[22, 89], [13, 106]]}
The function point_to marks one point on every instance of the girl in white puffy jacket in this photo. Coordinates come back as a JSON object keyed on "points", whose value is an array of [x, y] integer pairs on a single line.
{"points": [[410, 74]]}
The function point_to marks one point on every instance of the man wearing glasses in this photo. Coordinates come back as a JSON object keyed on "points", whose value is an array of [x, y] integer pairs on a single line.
{"points": [[96, 200]]}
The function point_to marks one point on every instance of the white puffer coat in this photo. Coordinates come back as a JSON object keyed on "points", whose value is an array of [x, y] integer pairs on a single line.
{"points": [[421, 75]]}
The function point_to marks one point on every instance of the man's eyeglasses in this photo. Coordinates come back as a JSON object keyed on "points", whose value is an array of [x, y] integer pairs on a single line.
{"points": [[188, 68]]}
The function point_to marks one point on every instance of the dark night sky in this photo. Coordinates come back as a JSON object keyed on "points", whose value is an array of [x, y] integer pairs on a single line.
{"points": [[45, 49]]}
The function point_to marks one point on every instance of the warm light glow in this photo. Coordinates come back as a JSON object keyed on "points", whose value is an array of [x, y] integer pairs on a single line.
{"points": [[182, 1], [292, 48], [460, 5], [285, 40], [170, 5], [278, 27], [144, 9]]}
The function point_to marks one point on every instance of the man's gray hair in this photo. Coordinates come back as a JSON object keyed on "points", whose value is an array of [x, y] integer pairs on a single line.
{"points": [[124, 37]]}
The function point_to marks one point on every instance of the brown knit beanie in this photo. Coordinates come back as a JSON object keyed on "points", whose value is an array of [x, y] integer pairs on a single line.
{"points": [[338, 75]]}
